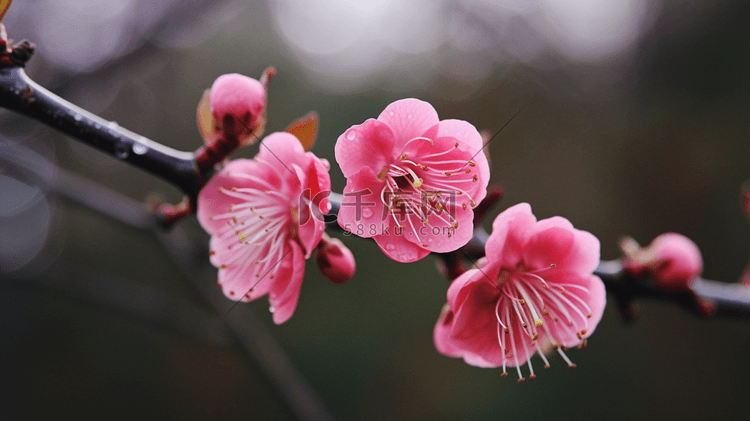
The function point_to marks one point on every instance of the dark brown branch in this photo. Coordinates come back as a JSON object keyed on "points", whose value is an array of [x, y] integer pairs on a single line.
{"points": [[705, 297], [22, 95]]}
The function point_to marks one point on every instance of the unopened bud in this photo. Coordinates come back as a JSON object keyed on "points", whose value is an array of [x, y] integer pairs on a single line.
{"points": [[238, 106], [335, 260], [672, 261]]}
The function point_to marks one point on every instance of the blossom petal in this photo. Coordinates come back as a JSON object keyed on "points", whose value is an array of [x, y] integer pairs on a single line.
{"points": [[409, 118], [310, 228], [370, 144], [238, 281], [282, 149], [458, 284], [510, 231], [555, 241], [285, 289], [362, 211], [399, 248], [475, 326], [313, 205], [597, 300], [443, 332], [319, 183]]}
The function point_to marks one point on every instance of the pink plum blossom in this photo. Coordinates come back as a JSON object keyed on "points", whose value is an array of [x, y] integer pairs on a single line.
{"points": [[412, 180], [672, 261], [264, 217], [535, 292]]}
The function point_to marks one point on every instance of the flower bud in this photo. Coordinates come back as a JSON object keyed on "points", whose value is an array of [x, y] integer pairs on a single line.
{"points": [[672, 261], [238, 106], [335, 260]]}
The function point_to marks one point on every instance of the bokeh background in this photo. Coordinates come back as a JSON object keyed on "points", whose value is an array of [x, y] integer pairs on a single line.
{"points": [[635, 122]]}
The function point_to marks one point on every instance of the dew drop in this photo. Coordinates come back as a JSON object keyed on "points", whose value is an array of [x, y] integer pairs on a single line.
{"points": [[122, 150], [77, 117], [390, 112], [139, 149], [429, 240], [271, 309], [351, 135], [390, 247], [367, 212]]}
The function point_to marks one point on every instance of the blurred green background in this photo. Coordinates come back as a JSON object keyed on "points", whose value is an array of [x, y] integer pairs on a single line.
{"points": [[635, 122]]}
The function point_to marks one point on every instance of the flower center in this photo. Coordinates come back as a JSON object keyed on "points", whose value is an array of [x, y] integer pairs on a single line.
{"points": [[256, 232], [428, 185], [528, 303]]}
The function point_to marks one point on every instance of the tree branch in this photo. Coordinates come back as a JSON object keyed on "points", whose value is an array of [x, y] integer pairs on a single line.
{"points": [[24, 96], [704, 298]]}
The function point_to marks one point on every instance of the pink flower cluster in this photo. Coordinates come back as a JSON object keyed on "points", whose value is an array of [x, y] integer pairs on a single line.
{"points": [[412, 184]]}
